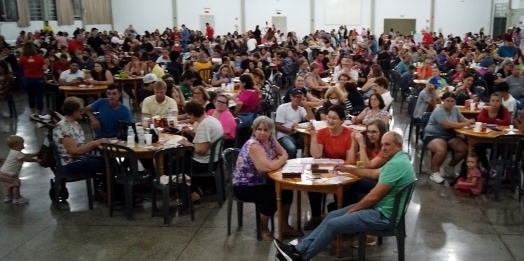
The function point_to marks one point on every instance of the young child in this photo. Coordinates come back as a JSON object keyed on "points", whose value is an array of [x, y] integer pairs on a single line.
{"points": [[473, 185], [11, 168]]}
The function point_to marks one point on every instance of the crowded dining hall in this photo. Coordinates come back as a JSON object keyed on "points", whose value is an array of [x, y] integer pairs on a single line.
{"points": [[332, 135]]}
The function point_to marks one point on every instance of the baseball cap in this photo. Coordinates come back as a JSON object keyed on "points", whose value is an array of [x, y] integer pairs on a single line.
{"points": [[296, 92], [347, 52], [149, 78], [435, 82]]}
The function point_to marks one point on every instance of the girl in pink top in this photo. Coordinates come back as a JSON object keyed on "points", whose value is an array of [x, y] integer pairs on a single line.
{"points": [[247, 101], [472, 186], [225, 117]]}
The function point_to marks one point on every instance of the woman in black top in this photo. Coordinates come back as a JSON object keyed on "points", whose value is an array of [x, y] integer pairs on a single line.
{"points": [[111, 64], [354, 97], [99, 75], [257, 33]]}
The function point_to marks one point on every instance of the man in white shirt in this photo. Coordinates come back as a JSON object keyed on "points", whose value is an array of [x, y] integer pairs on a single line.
{"points": [[164, 58], [347, 66], [71, 76], [382, 89], [251, 44], [507, 100], [287, 118], [159, 103]]}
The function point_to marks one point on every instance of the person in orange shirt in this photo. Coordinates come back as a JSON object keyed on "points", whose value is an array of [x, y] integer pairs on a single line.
{"points": [[425, 71], [333, 142]]}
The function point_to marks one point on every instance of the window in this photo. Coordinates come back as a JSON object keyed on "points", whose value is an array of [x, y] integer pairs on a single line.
{"points": [[77, 9], [35, 10], [51, 10], [8, 11]]}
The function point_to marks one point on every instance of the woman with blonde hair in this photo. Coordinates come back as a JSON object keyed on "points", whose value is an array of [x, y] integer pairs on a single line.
{"points": [[202, 62], [222, 76], [334, 96]]}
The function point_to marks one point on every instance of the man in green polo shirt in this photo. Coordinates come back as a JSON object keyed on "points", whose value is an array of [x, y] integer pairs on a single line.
{"points": [[403, 66], [186, 84], [371, 213]]}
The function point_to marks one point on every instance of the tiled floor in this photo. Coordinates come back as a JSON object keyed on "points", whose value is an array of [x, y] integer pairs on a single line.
{"points": [[439, 225]]}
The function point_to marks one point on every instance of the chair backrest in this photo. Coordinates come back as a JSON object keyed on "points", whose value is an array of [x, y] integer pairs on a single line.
{"points": [[509, 149], [174, 163], [399, 211], [175, 73], [237, 135], [480, 91], [229, 157], [216, 145], [277, 99], [277, 79], [412, 102], [115, 155], [54, 150], [206, 74], [355, 111]]}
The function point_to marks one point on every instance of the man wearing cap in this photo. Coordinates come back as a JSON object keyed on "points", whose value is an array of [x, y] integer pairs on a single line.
{"points": [[427, 99], [159, 103], [287, 117], [487, 60], [435, 73], [149, 81]]}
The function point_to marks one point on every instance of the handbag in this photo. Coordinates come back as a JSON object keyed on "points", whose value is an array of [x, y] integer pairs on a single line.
{"points": [[122, 130], [45, 155]]}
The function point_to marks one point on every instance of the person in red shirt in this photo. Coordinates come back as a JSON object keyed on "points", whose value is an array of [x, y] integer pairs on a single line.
{"points": [[33, 66], [77, 44], [495, 113], [209, 32], [427, 39], [61, 65]]}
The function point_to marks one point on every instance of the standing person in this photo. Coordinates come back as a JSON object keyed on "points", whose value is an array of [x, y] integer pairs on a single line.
{"points": [[257, 33], [209, 32], [472, 186], [33, 66], [11, 169], [95, 41], [185, 37]]}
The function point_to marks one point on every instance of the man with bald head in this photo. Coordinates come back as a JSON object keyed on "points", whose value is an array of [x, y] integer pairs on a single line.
{"points": [[371, 213]]}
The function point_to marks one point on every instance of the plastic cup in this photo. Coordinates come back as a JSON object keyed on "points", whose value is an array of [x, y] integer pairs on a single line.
{"points": [[478, 126], [145, 122], [511, 127], [149, 138], [141, 73], [472, 106]]}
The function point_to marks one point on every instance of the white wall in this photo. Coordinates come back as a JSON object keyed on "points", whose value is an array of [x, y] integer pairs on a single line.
{"points": [[455, 21], [11, 29], [225, 11], [143, 15], [402, 9], [320, 19], [258, 12]]}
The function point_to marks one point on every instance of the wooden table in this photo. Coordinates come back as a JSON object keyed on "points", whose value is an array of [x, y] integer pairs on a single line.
{"points": [[309, 186], [141, 152], [467, 112], [75, 90], [131, 80], [474, 138]]}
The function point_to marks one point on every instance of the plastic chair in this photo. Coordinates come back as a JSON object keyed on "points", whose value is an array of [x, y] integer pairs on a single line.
{"points": [[480, 91], [412, 102], [229, 157], [405, 92], [11, 105], [124, 170], [237, 135], [506, 155], [173, 164], [277, 79], [396, 229], [62, 177], [277, 97], [355, 111], [206, 74], [395, 81], [217, 173]]}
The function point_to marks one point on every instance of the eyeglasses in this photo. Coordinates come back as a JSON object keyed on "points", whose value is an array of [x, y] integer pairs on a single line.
{"points": [[372, 133], [221, 102], [333, 118]]}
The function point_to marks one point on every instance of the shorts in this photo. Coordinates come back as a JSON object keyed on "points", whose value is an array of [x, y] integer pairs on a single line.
{"points": [[428, 139], [10, 181]]}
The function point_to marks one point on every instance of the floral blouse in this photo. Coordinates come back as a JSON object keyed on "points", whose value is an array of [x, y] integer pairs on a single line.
{"points": [[63, 130], [369, 118], [245, 173]]}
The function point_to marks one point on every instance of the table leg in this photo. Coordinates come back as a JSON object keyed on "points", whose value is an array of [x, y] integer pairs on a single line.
{"points": [[108, 181], [279, 211], [307, 141], [340, 197], [135, 101], [299, 209]]}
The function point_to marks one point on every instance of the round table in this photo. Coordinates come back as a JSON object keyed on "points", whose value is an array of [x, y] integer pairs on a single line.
{"points": [[75, 90], [299, 185], [131, 80], [467, 112], [474, 137]]}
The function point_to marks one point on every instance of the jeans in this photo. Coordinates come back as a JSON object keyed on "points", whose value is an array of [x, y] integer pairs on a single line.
{"points": [[358, 191], [520, 103], [89, 165], [337, 222], [247, 119], [184, 45], [291, 143], [35, 91]]}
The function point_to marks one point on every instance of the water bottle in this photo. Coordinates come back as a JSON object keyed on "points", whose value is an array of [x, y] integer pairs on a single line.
{"points": [[169, 114], [140, 134], [130, 137]]}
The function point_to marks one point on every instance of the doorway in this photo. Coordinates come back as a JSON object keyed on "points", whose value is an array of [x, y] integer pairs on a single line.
{"points": [[499, 26], [404, 26], [280, 23], [206, 19]]}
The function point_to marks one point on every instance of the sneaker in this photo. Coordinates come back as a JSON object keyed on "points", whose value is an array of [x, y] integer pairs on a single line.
{"points": [[20, 201], [450, 172], [435, 177], [313, 223], [288, 252], [370, 241], [8, 199]]}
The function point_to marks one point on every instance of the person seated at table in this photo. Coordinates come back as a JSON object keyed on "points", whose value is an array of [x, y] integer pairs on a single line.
{"points": [[314, 83], [311, 100], [135, 66], [222, 77], [381, 88], [247, 101], [333, 97], [371, 213], [403, 66], [333, 142], [111, 64], [159, 104], [71, 76], [460, 72], [202, 97], [61, 65], [507, 100], [465, 91], [202, 62], [99, 75], [354, 98], [347, 69], [439, 136], [153, 67], [191, 67], [369, 87], [375, 110], [110, 112], [148, 90], [226, 118], [426, 70], [70, 141], [288, 116], [497, 114], [436, 74], [186, 84], [427, 99], [260, 155], [208, 131], [263, 86], [174, 91], [516, 85]]}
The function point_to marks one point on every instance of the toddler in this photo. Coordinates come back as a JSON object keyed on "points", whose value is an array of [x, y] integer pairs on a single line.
{"points": [[11, 168], [473, 185]]}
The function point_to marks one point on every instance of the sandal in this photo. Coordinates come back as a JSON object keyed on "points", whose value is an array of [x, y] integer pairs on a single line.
{"points": [[267, 236]]}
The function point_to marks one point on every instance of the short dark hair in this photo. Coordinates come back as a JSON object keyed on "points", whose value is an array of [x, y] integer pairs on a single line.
{"points": [[187, 75], [71, 105], [194, 108], [412, 67], [339, 110], [449, 95], [247, 79], [380, 100], [382, 81], [173, 55], [502, 87], [113, 86], [351, 87], [63, 56], [75, 60]]}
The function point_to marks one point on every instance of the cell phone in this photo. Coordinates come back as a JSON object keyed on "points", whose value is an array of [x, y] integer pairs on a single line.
{"points": [[320, 171], [496, 129]]}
